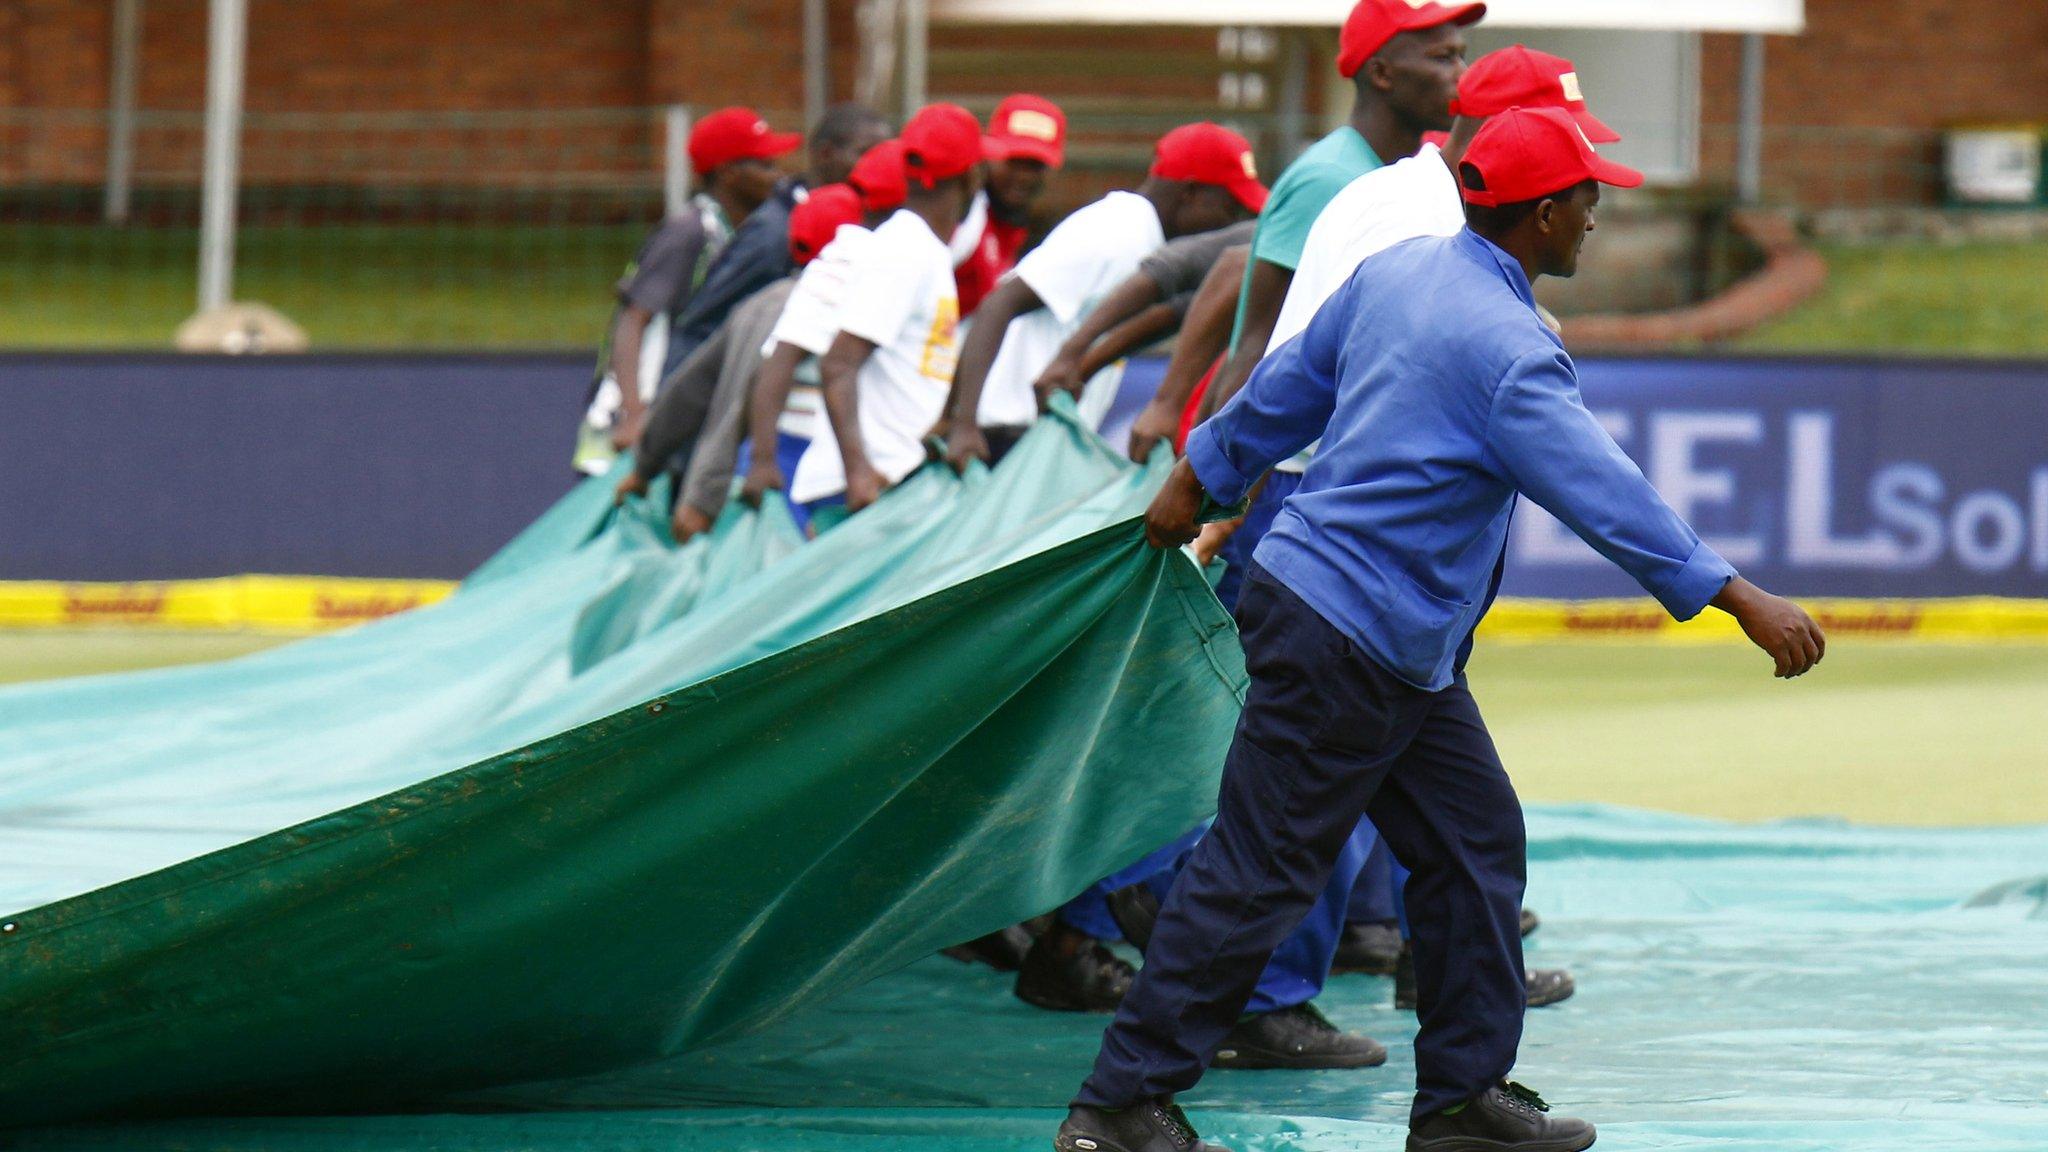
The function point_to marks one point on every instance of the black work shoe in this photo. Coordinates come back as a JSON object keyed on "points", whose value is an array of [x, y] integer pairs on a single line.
{"points": [[1404, 979], [1547, 985], [1297, 1037], [1135, 909], [1373, 949], [1506, 1118], [1151, 1126], [1068, 971], [1530, 923], [1541, 986], [1003, 951]]}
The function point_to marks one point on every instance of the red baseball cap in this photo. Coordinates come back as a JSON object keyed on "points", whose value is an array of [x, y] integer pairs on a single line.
{"points": [[731, 134], [941, 142], [813, 223], [1030, 128], [1527, 153], [879, 177], [1374, 22], [1520, 77], [1208, 153]]}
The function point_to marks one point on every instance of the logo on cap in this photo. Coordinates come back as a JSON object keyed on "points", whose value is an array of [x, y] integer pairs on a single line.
{"points": [[1420, 3], [1570, 83], [1033, 125], [1251, 166]]}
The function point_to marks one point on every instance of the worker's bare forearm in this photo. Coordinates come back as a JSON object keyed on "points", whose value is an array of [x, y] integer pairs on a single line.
{"points": [[1010, 300], [627, 339], [1146, 327]]}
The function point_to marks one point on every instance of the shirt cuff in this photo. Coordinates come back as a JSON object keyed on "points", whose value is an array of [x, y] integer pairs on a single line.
{"points": [[1696, 583], [1221, 479]]}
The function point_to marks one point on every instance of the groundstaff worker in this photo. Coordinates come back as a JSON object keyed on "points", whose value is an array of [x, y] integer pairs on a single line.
{"points": [[1357, 617]]}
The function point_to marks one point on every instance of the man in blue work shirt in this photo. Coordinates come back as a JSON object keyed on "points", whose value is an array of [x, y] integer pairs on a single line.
{"points": [[1403, 59], [1439, 395]]}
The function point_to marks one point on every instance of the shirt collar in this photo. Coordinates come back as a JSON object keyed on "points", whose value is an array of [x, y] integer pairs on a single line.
{"points": [[1363, 143], [1488, 254]]}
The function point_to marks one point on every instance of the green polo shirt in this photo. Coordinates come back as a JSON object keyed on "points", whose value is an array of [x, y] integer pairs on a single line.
{"points": [[1303, 191]]}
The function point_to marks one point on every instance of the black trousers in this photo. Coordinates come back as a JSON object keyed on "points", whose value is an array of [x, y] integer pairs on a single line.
{"points": [[1328, 736]]}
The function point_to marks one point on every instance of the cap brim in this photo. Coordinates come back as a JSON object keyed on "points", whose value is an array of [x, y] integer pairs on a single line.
{"points": [[1619, 175], [1463, 15], [1596, 131], [775, 144], [1251, 194], [1000, 148]]}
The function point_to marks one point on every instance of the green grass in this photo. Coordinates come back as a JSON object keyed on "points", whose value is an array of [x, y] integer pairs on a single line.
{"points": [[47, 655], [1879, 733], [1977, 299], [467, 286], [355, 286]]}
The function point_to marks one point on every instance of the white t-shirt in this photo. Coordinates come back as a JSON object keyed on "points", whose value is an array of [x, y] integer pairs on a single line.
{"points": [[809, 320], [899, 296], [1087, 256], [967, 237], [1402, 201], [811, 317]]}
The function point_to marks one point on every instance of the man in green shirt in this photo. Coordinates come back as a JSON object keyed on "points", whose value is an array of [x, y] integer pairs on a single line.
{"points": [[1403, 60]]}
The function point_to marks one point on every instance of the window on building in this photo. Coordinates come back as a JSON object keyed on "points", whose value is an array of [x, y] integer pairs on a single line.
{"points": [[1645, 85]]}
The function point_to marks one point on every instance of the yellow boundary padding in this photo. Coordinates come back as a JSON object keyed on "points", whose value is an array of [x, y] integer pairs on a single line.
{"points": [[1962, 618], [316, 603], [264, 603]]}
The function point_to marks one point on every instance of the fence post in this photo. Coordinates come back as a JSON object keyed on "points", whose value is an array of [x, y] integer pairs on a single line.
{"points": [[675, 172], [817, 63], [917, 45], [228, 36], [121, 110], [1749, 141]]}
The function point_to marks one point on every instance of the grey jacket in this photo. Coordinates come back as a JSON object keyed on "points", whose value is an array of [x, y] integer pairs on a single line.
{"points": [[705, 402]]}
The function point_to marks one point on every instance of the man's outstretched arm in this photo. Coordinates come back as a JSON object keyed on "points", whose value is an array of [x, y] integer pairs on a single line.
{"points": [[1011, 299], [839, 372], [1282, 410], [1068, 370], [1265, 293], [1552, 449], [1204, 334]]}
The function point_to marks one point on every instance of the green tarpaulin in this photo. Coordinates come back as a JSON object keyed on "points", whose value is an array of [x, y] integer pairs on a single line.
{"points": [[616, 803], [1794, 987], [633, 847]]}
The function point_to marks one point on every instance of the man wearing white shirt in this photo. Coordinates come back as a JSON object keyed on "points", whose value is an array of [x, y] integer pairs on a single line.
{"points": [[1202, 178], [788, 408], [1418, 196], [887, 372]]}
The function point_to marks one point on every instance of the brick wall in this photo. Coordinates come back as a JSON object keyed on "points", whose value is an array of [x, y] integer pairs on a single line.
{"points": [[1884, 78], [1874, 67]]}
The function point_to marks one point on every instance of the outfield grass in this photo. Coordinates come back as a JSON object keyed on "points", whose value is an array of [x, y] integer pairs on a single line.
{"points": [[1978, 299], [1881, 733], [50, 654], [1884, 732], [350, 286]]}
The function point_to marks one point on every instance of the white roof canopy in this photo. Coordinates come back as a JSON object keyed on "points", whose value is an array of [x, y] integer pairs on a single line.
{"points": [[1665, 15]]}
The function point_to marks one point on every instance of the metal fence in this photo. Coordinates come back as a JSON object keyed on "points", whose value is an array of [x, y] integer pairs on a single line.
{"points": [[507, 230]]}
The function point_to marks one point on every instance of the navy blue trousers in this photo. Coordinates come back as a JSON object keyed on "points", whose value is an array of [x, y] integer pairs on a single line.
{"points": [[1328, 736]]}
